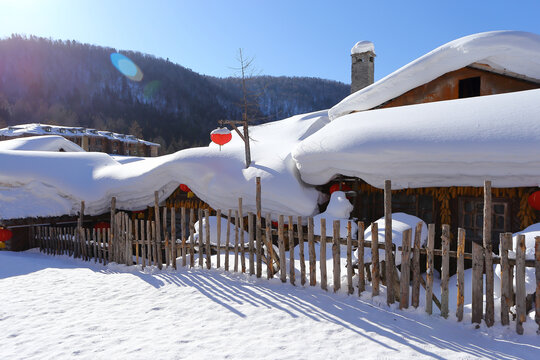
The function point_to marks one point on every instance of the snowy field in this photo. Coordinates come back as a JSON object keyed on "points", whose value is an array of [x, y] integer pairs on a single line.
{"points": [[59, 307]]}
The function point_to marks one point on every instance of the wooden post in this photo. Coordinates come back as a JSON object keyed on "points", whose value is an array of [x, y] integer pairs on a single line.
{"points": [[537, 271], [445, 270], [184, 235], [228, 240], [300, 230], [322, 255], [168, 260], [218, 234], [281, 245], [336, 256], [95, 245], [488, 255], [269, 248], [88, 240], [136, 223], [350, 287], [292, 277], [312, 255], [242, 237], [361, 244], [505, 241], [405, 270], [129, 243], [143, 243], [460, 274], [149, 243], [200, 241], [251, 245], [174, 253], [191, 238], [390, 297], [521, 314], [477, 282], [375, 273], [80, 227], [208, 251], [415, 297], [430, 268], [237, 220], [158, 230], [99, 248], [258, 231]]}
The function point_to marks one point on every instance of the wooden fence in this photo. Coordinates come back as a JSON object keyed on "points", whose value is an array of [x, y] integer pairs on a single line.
{"points": [[166, 241]]}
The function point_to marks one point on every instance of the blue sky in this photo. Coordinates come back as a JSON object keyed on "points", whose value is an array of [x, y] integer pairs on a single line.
{"points": [[294, 38]]}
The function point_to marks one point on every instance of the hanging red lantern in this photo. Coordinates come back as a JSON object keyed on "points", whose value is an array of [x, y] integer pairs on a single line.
{"points": [[335, 187], [221, 136], [102, 225], [534, 200], [5, 235], [184, 188]]}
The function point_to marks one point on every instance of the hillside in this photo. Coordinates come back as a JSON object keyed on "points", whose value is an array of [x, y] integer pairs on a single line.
{"points": [[74, 84]]}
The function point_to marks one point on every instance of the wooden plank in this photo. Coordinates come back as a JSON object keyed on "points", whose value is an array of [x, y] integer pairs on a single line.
{"points": [[281, 246], [149, 242], [112, 230], [460, 274], [505, 241], [269, 248], [361, 274], [251, 245], [227, 240], [129, 244], [80, 227], [201, 238], [168, 261], [258, 230], [350, 287], [322, 255], [236, 221], [336, 255], [218, 236], [208, 251], [445, 269], [95, 245], [477, 282], [312, 255], [155, 242], [158, 230], [405, 270], [242, 236], [390, 296], [191, 238], [143, 243], [174, 246], [375, 273], [415, 296], [488, 254], [301, 251], [521, 314], [88, 240], [537, 271], [292, 277], [184, 235], [136, 224], [430, 268]]}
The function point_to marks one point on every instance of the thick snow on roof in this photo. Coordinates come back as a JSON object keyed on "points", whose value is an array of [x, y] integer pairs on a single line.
{"points": [[510, 51], [40, 143], [448, 143], [37, 183], [362, 47]]}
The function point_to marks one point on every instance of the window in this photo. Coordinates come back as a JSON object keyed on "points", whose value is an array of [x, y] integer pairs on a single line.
{"points": [[471, 218], [469, 87]]}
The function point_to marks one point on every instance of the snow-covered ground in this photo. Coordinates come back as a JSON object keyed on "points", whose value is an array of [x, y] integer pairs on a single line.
{"points": [[59, 307]]}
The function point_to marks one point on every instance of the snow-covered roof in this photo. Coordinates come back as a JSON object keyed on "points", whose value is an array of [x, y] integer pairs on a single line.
{"points": [[513, 52], [362, 47], [40, 143], [38, 183], [46, 129], [448, 143]]}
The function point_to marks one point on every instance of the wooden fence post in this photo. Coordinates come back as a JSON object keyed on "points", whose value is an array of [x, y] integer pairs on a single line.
{"points": [[415, 296], [242, 237], [80, 227], [218, 234], [300, 230], [168, 260], [350, 288], [537, 271], [208, 251], [505, 241], [336, 256], [281, 244], [460, 274], [430, 268], [521, 314], [361, 244], [228, 240], [251, 245], [390, 297], [405, 270], [488, 256], [149, 244], [292, 277], [375, 272], [191, 238], [184, 235], [158, 230], [174, 252], [236, 223], [312, 255], [322, 255], [477, 282], [258, 225], [445, 269], [201, 237], [269, 248]]}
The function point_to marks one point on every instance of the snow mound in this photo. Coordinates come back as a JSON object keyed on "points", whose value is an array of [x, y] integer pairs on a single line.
{"points": [[400, 223], [448, 143], [339, 208], [510, 51], [213, 232], [362, 47], [40, 143]]}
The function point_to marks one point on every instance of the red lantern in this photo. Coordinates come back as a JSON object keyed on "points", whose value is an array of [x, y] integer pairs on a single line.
{"points": [[102, 225], [534, 200], [5, 235], [184, 188], [335, 187], [221, 136]]}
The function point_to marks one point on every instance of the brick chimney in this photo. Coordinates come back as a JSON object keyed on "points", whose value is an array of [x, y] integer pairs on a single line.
{"points": [[363, 65]]}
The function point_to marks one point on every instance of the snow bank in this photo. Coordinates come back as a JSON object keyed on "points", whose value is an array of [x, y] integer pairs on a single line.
{"points": [[509, 51], [31, 180], [362, 47], [339, 208], [40, 143], [213, 232], [400, 223], [448, 143]]}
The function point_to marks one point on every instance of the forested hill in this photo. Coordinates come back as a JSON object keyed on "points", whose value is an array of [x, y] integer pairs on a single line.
{"points": [[74, 84]]}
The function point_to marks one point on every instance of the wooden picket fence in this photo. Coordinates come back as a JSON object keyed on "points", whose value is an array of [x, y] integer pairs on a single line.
{"points": [[163, 243]]}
